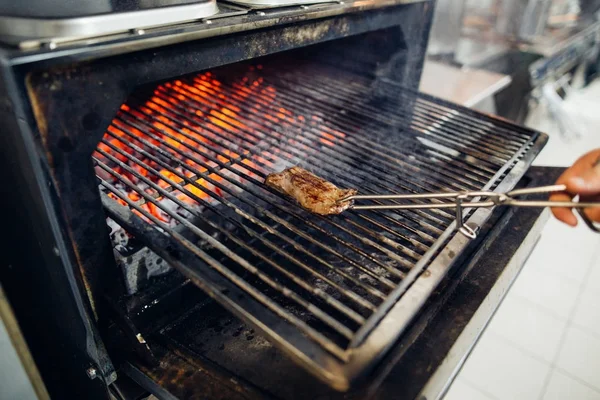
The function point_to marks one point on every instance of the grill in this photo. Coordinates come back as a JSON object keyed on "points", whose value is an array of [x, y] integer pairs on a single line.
{"points": [[136, 163], [182, 167]]}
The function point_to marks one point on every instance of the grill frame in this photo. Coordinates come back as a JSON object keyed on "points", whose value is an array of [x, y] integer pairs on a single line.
{"points": [[391, 318]]}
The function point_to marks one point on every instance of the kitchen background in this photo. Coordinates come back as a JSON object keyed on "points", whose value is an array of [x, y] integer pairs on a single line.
{"points": [[534, 62]]}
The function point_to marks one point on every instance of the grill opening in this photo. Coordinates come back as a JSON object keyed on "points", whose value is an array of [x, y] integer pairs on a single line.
{"points": [[181, 170]]}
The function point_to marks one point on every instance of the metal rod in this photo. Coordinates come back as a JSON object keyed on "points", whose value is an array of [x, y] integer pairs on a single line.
{"points": [[330, 300], [362, 238], [364, 87], [439, 109], [511, 131], [235, 279], [381, 173], [227, 189], [297, 246], [554, 204], [496, 199], [537, 190], [387, 118], [422, 109], [419, 206]]}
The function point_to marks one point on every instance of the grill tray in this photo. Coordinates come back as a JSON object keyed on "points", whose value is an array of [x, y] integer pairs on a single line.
{"points": [[333, 292]]}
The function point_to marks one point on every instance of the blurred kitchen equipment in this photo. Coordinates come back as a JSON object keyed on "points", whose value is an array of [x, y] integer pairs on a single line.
{"points": [[446, 27], [564, 13], [523, 20]]}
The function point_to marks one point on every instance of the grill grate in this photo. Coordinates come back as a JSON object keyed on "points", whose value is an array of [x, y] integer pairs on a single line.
{"points": [[190, 160]]}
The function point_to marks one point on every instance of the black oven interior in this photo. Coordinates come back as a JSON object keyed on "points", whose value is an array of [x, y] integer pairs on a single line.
{"points": [[179, 138]]}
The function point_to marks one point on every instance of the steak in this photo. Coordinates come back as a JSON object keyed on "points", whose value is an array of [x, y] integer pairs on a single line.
{"points": [[312, 192]]}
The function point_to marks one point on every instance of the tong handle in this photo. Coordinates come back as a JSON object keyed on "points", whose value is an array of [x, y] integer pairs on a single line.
{"points": [[580, 207], [461, 200], [538, 190], [594, 227]]}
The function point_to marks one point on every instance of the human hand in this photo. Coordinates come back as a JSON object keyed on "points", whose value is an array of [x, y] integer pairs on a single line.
{"points": [[583, 179]]}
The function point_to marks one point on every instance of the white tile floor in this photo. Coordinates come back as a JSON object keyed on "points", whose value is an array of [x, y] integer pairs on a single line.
{"points": [[544, 341]]}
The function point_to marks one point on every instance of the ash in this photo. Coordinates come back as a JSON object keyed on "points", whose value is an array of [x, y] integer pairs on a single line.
{"points": [[379, 271], [118, 236]]}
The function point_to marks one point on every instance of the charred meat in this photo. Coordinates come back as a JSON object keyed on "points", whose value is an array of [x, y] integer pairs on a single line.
{"points": [[313, 193]]}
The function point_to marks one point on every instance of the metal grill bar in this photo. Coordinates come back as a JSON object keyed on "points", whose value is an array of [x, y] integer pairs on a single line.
{"points": [[189, 161], [227, 166], [321, 154], [423, 108], [289, 98], [338, 155], [430, 106], [444, 134], [296, 155], [193, 182]]}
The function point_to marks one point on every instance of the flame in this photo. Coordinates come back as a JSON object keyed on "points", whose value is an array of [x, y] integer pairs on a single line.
{"points": [[189, 127]]}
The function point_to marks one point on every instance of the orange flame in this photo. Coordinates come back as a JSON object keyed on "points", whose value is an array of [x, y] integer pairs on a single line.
{"points": [[183, 131]]}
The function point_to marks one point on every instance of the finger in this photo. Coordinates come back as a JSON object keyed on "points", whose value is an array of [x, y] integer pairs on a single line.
{"points": [[583, 164], [571, 178], [593, 214], [563, 214], [587, 183]]}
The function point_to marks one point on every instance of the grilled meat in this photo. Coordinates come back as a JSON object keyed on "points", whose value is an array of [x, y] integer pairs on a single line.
{"points": [[313, 193]]}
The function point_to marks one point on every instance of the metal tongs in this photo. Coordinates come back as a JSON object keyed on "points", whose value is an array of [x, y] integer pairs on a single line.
{"points": [[482, 199]]}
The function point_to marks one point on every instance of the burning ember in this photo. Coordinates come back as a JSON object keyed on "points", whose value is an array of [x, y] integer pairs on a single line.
{"points": [[192, 132]]}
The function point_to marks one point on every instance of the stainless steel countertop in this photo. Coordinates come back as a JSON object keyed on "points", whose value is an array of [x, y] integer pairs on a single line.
{"points": [[463, 86]]}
